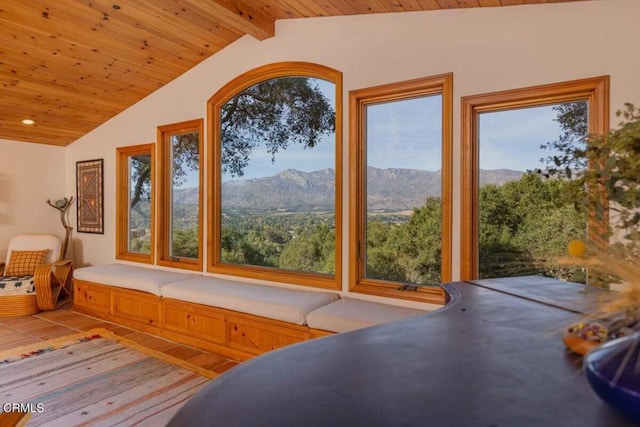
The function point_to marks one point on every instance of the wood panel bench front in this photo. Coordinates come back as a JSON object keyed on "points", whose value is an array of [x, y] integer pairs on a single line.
{"points": [[232, 334]]}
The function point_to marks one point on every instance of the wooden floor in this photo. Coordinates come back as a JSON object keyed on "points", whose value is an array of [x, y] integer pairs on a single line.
{"points": [[22, 330]]}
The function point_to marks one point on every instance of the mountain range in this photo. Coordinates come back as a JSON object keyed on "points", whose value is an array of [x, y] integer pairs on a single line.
{"points": [[294, 190]]}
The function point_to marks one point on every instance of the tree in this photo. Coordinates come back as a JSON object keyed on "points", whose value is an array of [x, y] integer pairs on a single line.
{"points": [[407, 252], [569, 149], [185, 242], [615, 176], [141, 175], [186, 153], [381, 254], [421, 238], [275, 113], [312, 250], [525, 223], [609, 166]]}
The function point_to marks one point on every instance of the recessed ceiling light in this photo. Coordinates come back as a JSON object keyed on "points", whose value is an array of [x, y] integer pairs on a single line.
{"points": [[27, 122]]}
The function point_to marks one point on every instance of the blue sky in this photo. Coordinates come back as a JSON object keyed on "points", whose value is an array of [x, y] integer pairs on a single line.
{"points": [[405, 134], [508, 139], [396, 128], [511, 139], [322, 156]]}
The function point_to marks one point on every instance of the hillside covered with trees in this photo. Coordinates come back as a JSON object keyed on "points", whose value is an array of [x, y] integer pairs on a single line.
{"points": [[524, 224]]}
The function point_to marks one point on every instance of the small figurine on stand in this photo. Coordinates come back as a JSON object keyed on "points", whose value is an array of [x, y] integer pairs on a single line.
{"points": [[63, 206]]}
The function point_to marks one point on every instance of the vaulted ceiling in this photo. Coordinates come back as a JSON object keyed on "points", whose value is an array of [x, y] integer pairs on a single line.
{"points": [[70, 65]]}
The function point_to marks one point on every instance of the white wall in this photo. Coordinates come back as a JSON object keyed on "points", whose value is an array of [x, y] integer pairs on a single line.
{"points": [[487, 49], [30, 174]]}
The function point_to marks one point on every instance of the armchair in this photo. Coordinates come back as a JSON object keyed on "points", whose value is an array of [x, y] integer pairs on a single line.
{"points": [[33, 278]]}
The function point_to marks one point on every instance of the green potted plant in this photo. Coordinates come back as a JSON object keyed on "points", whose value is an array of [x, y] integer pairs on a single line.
{"points": [[609, 188]]}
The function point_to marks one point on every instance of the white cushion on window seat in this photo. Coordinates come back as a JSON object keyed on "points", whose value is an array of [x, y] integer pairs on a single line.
{"points": [[130, 277], [349, 314], [287, 305]]}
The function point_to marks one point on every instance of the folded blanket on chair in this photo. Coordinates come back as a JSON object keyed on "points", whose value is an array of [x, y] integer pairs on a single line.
{"points": [[17, 285]]}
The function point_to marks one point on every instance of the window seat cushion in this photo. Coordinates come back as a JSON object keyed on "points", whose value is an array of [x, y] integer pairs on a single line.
{"points": [[130, 277], [272, 302], [349, 314], [17, 285]]}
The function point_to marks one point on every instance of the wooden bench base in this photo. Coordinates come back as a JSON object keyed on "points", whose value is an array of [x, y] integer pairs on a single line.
{"points": [[236, 335]]}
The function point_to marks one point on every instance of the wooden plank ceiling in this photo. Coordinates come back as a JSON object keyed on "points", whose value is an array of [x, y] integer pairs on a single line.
{"points": [[70, 65]]}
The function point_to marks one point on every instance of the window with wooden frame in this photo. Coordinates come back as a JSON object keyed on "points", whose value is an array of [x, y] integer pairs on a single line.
{"points": [[585, 100], [180, 194], [274, 188], [134, 203], [400, 188]]}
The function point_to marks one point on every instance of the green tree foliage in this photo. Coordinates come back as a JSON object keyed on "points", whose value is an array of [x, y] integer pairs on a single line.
{"points": [[406, 252], [524, 224], [618, 169], [312, 251], [248, 247], [140, 178], [139, 227], [185, 243], [300, 242], [381, 254], [186, 154], [614, 175], [275, 113], [608, 168], [567, 152]]}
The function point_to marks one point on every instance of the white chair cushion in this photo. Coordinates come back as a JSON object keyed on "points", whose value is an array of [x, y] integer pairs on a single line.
{"points": [[34, 242], [349, 314], [130, 277], [287, 305]]}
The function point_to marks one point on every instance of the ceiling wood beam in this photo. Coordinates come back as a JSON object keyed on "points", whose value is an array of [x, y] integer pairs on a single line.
{"points": [[238, 15]]}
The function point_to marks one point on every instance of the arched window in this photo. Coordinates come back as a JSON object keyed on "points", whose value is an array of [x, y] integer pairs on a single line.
{"points": [[274, 188]]}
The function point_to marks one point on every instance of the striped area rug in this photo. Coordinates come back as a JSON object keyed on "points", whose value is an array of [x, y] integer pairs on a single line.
{"points": [[96, 378]]}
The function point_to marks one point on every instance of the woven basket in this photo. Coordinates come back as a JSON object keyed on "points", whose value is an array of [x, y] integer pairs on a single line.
{"points": [[18, 305]]}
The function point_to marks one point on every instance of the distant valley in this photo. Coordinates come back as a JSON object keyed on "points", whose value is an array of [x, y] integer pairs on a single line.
{"points": [[296, 191]]}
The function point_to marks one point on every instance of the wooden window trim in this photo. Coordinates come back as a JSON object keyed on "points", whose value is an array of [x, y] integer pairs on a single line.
{"points": [[165, 189], [214, 199], [594, 90], [358, 100], [122, 203]]}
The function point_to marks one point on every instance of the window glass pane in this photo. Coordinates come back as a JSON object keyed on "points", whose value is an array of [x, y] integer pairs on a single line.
{"points": [[278, 177], [524, 221], [185, 195], [403, 151], [139, 227]]}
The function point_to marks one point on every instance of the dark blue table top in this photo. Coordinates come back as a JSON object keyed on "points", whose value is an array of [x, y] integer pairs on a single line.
{"points": [[488, 358]]}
